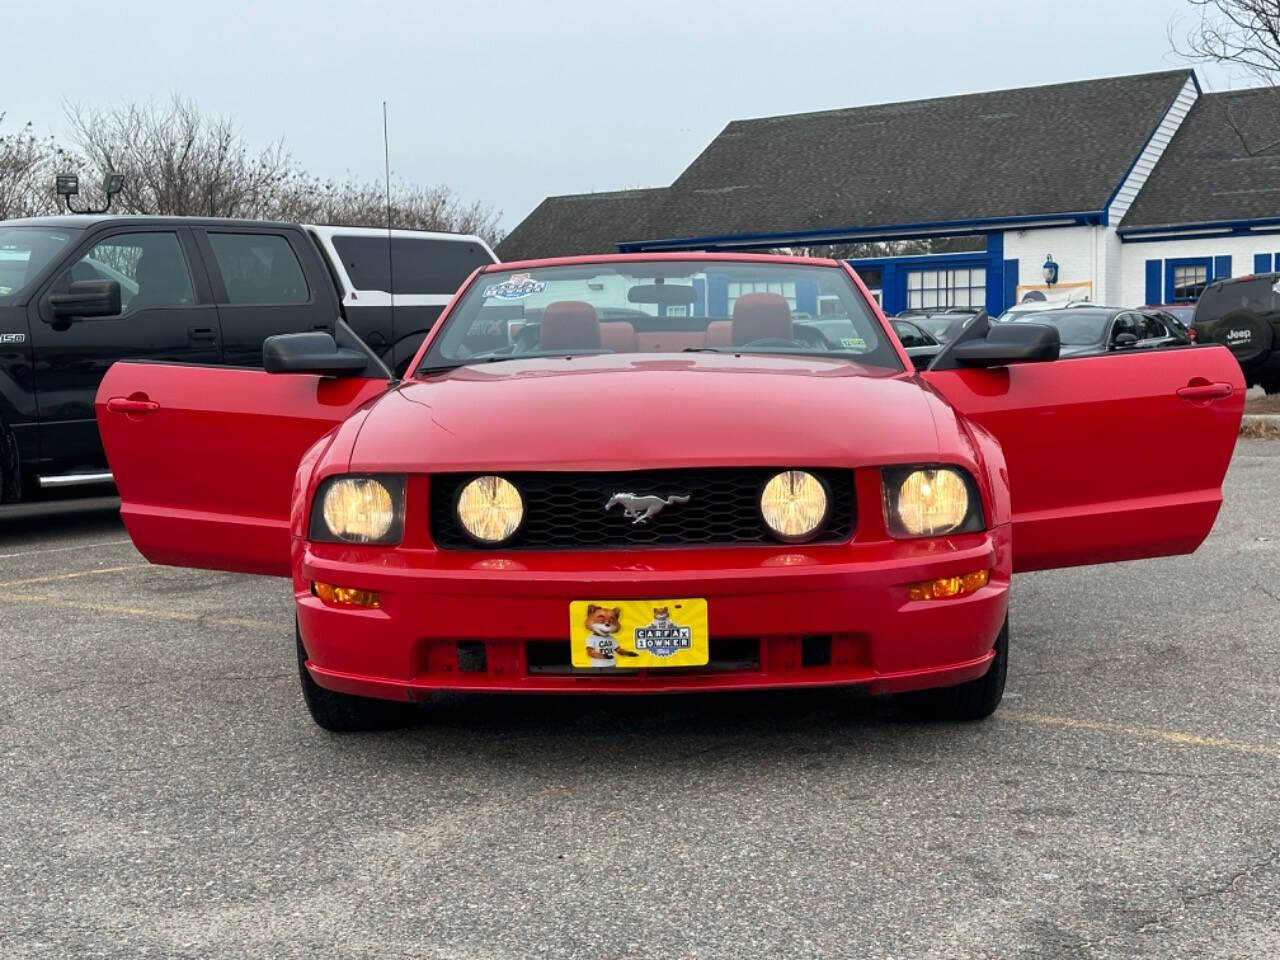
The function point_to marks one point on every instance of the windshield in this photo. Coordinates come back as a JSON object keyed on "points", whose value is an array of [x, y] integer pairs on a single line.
{"points": [[1075, 327], [24, 252], [662, 306]]}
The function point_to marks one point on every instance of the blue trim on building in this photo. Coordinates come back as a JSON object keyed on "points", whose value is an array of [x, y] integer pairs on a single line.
{"points": [[1010, 287], [1001, 288], [1154, 268], [1208, 228], [1221, 267], [1172, 263], [807, 296], [1262, 263], [700, 297], [879, 232]]}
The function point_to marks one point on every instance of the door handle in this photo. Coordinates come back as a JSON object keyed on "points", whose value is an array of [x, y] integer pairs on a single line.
{"points": [[132, 405], [202, 333], [1205, 391]]}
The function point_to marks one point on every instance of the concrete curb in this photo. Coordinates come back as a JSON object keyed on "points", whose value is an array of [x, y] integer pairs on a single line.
{"points": [[1261, 426]]}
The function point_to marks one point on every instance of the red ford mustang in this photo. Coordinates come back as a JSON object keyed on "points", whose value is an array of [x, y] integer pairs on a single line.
{"points": [[658, 473]]}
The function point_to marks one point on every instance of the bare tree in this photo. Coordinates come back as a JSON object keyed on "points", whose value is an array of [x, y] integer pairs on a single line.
{"points": [[28, 164], [364, 203], [1243, 35], [179, 161]]}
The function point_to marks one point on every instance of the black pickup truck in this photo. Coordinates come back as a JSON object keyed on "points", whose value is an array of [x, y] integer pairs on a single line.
{"points": [[79, 293]]}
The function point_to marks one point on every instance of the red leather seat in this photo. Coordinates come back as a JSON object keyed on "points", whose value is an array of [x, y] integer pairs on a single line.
{"points": [[618, 336], [719, 334], [761, 316], [569, 325]]}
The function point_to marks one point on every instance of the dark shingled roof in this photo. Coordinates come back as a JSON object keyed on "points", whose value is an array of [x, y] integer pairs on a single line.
{"points": [[1034, 150], [578, 223], [1222, 164]]}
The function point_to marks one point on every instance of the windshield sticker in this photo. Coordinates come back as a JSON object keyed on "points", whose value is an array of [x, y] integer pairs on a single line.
{"points": [[853, 343], [517, 287], [5, 291]]}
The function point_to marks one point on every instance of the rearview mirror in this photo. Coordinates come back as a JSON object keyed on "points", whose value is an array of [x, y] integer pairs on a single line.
{"points": [[316, 353], [86, 298], [1007, 343]]}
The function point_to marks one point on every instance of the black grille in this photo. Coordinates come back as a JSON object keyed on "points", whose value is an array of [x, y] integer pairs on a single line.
{"points": [[566, 510]]}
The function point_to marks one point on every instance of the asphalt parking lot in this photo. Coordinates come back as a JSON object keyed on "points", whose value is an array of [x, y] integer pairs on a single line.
{"points": [[165, 794]]}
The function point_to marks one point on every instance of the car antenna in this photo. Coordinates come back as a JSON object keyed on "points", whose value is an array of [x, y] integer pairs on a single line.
{"points": [[391, 270]]}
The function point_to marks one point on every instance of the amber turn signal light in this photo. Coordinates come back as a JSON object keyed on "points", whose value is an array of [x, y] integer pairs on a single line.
{"points": [[346, 596], [949, 586]]}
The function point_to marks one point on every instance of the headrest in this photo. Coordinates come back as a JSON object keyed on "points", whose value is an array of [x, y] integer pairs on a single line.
{"points": [[569, 325], [618, 336], [760, 316]]}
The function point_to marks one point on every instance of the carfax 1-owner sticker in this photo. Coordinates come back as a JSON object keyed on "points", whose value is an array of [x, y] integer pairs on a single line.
{"points": [[628, 634]]}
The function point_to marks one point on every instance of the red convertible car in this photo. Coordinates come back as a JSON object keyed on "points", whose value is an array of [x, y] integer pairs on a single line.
{"points": [[648, 473]]}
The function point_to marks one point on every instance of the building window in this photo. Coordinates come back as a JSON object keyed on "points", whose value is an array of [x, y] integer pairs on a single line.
{"points": [[786, 290], [1189, 281], [961, 287]]}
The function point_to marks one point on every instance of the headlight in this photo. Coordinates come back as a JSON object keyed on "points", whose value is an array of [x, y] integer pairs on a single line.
{"points": [[929, 502], [490, 509], [359, 510], [794, 504]]}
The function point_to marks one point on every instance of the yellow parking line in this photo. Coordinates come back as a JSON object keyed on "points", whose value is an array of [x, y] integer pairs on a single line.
{"points": [[72, 576], [118, 608], [1144, 733]]}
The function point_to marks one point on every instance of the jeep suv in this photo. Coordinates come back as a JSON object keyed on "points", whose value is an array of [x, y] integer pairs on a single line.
{"points": [[1243, 314]]}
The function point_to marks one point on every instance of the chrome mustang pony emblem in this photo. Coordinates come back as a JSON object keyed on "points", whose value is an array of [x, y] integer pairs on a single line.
{"points": [[640, 509]]}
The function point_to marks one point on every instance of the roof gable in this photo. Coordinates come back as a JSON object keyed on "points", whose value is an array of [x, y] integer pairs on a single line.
{"points": [[578, 223], [1223, 164], [1061, 148]]}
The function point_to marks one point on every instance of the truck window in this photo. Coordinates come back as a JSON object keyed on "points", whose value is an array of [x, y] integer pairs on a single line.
{"points": [[420, 265], [259, 268], [150, 267]]}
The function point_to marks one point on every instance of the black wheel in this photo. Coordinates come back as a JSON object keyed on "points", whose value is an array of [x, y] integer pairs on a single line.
{"points": [[1271, 383], [975, 700], [344, 713]]}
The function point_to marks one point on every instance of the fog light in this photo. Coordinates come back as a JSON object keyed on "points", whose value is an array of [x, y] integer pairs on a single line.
{"points": [[949, 586], [346, 596]]}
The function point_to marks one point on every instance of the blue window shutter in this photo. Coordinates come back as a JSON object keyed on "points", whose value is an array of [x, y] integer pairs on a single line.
{"points": [[1262, 263], [1221, 267], [1010, 288], [1153, 282]]}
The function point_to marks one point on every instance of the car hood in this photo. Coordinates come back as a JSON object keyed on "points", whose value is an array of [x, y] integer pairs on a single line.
{"points": [[612, 412]]}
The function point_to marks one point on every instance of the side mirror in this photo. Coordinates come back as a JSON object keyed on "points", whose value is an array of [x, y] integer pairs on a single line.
{"points": [[316, 353], [86, 298], [1007, 343], [1123, 340]]}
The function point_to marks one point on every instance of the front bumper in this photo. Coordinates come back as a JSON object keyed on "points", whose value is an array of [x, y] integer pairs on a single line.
{"points": [[818, 616]]}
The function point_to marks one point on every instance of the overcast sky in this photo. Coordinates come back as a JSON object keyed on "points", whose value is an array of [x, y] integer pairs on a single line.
{"points": [[509, 102]]}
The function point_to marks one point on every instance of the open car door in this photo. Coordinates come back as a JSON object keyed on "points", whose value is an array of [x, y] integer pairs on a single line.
{"points": [[205, 457], [1111, 457]]}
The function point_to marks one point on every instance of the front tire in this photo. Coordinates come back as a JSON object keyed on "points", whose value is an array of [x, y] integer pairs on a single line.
{"points": [[975, 700], [344, 713]]}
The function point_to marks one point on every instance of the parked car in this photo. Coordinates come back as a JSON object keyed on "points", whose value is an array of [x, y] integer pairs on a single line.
{"points": [[1085, 331], [1176, 315], [1030, 306], [944, 327], [1243, 314], [709, 499], [79, 293]]}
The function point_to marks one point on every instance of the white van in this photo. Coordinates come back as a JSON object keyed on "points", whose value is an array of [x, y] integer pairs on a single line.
{"points": [[422, 269]]}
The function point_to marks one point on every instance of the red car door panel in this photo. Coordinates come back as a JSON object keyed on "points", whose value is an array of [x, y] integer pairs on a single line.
{"points": [[1112, 457], [205, 457]]}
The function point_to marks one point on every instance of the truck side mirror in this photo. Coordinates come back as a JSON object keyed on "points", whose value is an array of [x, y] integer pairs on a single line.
{"points": [[316, 353], [86, 298]]}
